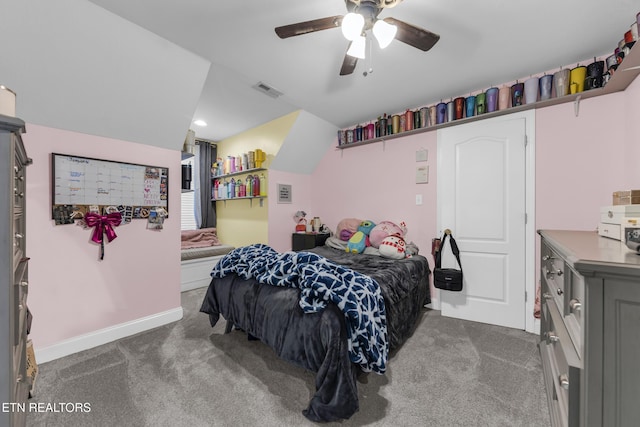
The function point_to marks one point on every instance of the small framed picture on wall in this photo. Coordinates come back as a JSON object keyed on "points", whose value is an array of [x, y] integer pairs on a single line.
{"points": [[284, 193]]}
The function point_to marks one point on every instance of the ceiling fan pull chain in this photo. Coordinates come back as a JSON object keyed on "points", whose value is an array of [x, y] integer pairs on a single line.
{"points": [[370, 69]]}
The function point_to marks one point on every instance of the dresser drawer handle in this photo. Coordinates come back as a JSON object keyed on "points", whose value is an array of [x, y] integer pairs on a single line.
{"points": [[19, 236], [564, 381], [559, 291], [547, 295], [550, 273], [547, 257], [19, 378], [552, 337], [575, 305], [24, 284]]}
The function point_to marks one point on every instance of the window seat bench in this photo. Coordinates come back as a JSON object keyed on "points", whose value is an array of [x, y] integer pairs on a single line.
{"points": [[196, 265]]}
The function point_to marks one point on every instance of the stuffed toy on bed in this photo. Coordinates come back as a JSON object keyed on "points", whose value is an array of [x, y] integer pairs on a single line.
{"points": [[393, 247], [385, 229], [347, 228], [360, 239]]}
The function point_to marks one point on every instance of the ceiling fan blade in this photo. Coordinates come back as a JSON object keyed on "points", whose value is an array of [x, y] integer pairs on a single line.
{"points": [[414, 36], [308, 26], [348, 64]]}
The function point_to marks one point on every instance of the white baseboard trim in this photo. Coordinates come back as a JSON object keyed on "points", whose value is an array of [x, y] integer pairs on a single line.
{"points": [[106, 335], [536, 327], [195, 285]]}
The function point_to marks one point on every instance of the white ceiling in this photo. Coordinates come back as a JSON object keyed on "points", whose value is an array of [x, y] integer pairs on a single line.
{"points": [[482, 43]]}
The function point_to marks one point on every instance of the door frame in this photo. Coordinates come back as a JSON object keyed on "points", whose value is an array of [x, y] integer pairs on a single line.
{"points": [[531, 324]]}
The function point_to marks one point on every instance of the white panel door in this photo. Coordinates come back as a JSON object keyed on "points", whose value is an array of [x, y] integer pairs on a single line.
{"points": [[481, 193]]}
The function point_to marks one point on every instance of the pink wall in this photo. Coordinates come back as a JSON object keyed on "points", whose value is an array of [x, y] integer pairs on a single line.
{"points": [[631, 122], [579, 161], [377, 182], [71, 291], [281, 223]]}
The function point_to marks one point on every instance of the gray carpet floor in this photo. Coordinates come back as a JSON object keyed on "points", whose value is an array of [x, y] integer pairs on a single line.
{"points": [[449, 373]]}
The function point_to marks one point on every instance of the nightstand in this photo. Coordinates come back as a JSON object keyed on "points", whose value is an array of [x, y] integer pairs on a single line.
{"points": [[302, 241]]}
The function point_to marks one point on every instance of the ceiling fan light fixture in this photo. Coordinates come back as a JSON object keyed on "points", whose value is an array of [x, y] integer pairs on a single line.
{"points": [[384, 33], [352, 25], [358, 47]]}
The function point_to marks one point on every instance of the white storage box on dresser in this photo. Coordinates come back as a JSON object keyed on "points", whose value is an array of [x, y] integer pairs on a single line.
{"points": [[612, 217], [14, 383], [590, 329]]}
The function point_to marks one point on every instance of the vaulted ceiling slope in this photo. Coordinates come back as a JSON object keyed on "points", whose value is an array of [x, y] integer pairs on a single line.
{"points": [[76, 66], [143, 70], [483, 43]]}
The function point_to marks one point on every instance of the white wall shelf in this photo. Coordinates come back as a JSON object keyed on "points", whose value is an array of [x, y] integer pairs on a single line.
{"points": [[244, 172], [250, 198], [621, 79]]}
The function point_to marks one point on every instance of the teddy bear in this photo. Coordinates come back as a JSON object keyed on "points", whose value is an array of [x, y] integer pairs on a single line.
{"points": [[360, 239]]}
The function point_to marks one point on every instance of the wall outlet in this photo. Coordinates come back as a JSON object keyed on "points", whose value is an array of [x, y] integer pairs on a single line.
{"points": [[418, 199]]}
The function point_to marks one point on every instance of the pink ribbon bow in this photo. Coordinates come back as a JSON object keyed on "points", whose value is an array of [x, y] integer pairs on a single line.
{"points": [[103, 225]]}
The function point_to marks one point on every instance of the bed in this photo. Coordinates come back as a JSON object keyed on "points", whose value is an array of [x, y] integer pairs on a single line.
{"points": [[321, 341]]}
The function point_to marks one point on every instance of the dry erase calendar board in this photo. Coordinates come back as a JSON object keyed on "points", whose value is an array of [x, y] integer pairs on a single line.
{"points": [[83, 182]]}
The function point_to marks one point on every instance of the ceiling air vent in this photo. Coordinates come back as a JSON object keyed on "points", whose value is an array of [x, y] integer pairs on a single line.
{"points": [[267, 90]]}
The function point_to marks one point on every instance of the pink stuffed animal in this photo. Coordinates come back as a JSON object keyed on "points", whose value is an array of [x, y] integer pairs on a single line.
{"points": [[347, 228], [385, 229]]}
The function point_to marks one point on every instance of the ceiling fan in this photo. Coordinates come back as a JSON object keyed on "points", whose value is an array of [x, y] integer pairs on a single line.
{"points": [[363, 16]]}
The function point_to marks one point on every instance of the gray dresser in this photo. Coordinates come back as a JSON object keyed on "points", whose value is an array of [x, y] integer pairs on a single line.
{"points": [[590, 329], [14, 384]]}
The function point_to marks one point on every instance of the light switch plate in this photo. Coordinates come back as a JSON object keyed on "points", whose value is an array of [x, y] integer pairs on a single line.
{"points": [[422, 155]]}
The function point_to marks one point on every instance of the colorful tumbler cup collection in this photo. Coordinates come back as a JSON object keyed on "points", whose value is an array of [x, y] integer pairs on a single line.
{"points": [[534, 89], [242, 162], [252, 186]]}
